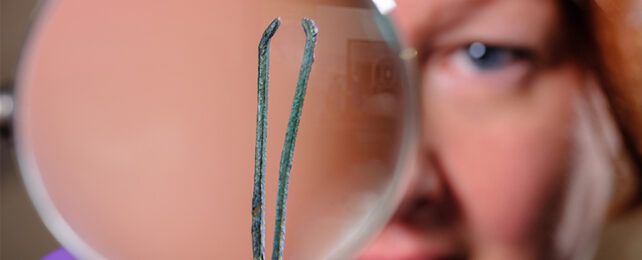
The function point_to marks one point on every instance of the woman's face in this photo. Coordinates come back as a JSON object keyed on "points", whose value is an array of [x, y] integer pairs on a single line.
{"points": [[497, 122]]}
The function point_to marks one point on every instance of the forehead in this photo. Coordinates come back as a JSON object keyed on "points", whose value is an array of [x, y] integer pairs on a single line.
{"points": [[426, 18]]}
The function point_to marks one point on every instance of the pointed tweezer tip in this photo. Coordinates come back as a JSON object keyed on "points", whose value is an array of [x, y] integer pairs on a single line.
{"points": [[275, 23], [310, 26], [269, 32]]}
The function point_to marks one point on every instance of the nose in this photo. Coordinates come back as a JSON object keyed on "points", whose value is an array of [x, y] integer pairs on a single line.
{"points": [[429, 203]]}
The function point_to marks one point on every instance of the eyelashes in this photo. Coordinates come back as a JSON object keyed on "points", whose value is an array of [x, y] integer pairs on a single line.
{"points": [[487, 57], [484, 62], [486, 68]]}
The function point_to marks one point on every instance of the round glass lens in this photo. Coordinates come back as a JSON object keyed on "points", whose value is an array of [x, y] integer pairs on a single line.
{"points": [[136, 126]]}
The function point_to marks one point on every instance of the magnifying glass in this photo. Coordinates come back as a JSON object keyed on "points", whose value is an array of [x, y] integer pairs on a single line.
{"points": [[135, 126]]}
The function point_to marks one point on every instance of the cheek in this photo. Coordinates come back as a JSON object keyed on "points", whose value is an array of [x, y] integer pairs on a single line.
{"points": [[504, 155]]}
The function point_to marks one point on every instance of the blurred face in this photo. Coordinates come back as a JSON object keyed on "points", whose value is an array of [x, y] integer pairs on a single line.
{"points": [[497, 121]]}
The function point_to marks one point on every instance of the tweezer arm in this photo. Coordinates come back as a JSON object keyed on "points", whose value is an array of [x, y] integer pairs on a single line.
{"points": [[258, 196], [311, 31]]}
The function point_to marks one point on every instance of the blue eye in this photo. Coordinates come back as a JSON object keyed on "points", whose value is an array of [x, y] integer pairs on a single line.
{"points": [[485, 57]]}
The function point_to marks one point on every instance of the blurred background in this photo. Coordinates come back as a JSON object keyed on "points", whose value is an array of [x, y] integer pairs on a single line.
{"points": [[22, 233]]}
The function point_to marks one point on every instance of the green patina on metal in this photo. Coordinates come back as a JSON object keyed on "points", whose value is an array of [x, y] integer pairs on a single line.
{"points": [[258, 204]]}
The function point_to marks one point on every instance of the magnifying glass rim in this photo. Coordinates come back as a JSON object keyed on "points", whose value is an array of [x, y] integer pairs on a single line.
{"points": [[72, 242]]}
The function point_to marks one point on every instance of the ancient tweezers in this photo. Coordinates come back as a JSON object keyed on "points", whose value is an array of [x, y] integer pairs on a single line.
{"points": [[258, 202]]}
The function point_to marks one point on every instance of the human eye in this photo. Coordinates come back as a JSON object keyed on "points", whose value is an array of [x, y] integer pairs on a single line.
{"points": [[488, 57], [496, 66], [479, 57]]}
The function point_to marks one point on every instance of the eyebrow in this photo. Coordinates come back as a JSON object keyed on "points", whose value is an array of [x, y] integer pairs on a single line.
{"points": [[507, 22], [443, 16]]}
